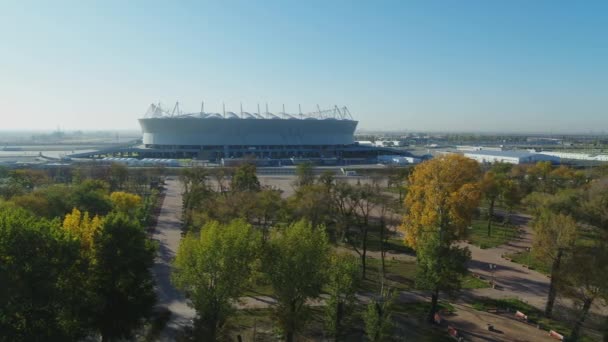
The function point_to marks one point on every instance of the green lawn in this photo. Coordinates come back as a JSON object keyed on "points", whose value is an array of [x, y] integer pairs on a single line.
{"points": [[408, 319], [500, 234], [401, 275], [526, 258]]}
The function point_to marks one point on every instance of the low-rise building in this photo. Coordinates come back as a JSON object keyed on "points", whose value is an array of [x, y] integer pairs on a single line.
{"points": [[511, 157]]}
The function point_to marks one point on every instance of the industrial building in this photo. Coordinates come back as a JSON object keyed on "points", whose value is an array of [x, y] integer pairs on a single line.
{"points": [[511, 157], [577, 155]]}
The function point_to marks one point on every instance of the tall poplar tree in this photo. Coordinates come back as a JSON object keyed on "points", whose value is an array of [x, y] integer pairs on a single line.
{"points": [[442, 196]]}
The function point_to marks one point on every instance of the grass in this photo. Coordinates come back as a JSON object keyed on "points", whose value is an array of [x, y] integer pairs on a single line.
{"points": [[501, 234], [470, 282], [527, 258], [401, 275], [394, 244], [408, 320], [420, 309]]}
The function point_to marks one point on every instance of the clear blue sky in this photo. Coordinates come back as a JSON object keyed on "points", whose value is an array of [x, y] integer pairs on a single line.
{"points": [[414, 65]]}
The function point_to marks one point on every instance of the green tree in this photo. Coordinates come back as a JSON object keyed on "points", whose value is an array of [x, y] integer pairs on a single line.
{"points": [[245, 178], [212, 268], [439, 267], [327, 179], [92, 196], [554, 236], [119, 175], [342, 283], [294, 263], [377, 317], [121, 278], [585, 280], [365, 199], [269, 205], [40, 297], [312, 203], [304, 174], [490, 188]]}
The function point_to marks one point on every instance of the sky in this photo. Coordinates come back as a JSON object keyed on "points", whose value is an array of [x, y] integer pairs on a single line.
{"points": [[473, 66]]}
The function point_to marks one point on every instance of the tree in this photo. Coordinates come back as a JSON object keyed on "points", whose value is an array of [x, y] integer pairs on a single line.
{"points": [[245, 178], [312, 203], [510, 195], [365, 200], [121, 278], [124, 202], [84, 228], [439, 267], [343, 206], [327, 179], [91, 196], [342, 282], [442, 195], [294, 264], [40, 295], [585, 280], [118, 176], [554, 236], [196, 191], [212, 268], [377, 316], [304, 174], [490, 188], [268, 208]]}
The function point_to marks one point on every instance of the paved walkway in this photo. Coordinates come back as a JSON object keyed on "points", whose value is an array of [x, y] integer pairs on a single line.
{"points": [[168, 235], [512, 279]]}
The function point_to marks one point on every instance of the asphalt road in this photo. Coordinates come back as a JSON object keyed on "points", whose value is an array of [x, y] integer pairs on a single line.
{"points": [[168, 235]]}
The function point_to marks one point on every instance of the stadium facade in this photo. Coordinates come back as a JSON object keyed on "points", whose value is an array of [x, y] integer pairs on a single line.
{"points": [[324, 137]]}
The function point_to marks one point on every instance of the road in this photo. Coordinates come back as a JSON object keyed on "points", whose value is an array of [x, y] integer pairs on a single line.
{"points": [[168, 235]]}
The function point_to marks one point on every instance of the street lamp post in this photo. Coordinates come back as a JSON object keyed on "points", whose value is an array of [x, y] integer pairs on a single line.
{"points": [[492, 270]]}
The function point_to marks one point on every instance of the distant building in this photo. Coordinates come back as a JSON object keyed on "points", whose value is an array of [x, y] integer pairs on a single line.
{"points": [[511, 157], [577, 155], [479, 148], [397, 160]]}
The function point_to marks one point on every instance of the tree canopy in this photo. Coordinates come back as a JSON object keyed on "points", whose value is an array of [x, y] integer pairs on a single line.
{"points": [[213, 267]]}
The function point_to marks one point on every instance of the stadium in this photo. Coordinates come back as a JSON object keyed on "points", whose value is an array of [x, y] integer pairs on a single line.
{"points": [[323, 137]]}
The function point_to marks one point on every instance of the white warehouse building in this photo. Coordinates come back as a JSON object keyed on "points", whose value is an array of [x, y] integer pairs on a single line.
{"points": [[511, 157]]}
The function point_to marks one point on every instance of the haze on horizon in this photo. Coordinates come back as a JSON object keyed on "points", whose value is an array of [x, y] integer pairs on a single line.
{"points": [[517, 66]]}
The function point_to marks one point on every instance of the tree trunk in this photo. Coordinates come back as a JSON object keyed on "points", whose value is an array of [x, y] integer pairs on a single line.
{"points": [[490, 215], [434, 299], [364, 252], [552, 285], [289, 336], [339, 312], [382, 248], [606, 329], [579, 323]]}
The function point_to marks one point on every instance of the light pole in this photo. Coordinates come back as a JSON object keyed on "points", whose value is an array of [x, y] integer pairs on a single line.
{"points": [[492, 270]]}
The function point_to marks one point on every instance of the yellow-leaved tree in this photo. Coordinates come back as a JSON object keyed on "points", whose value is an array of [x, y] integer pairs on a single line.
{"points": [[442, 195], [83, 227], [125, 202]]}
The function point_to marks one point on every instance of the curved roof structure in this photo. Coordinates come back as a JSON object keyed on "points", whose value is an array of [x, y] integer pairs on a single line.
{"points": [[249, 129]]}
